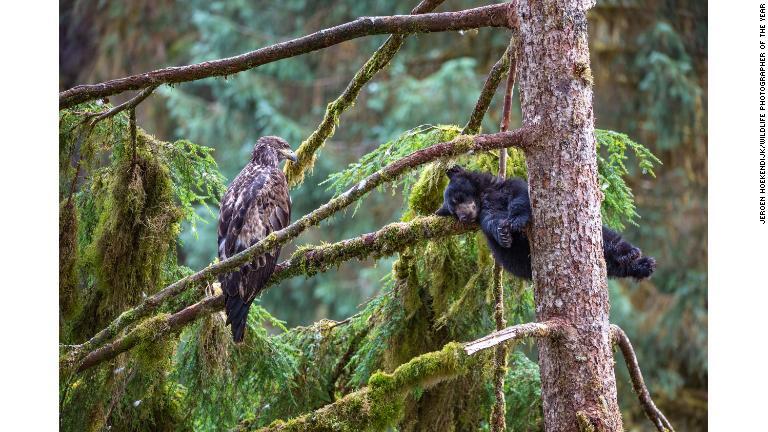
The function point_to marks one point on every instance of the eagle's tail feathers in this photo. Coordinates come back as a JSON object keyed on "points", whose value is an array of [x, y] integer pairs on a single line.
{"points": [[237, 315]]}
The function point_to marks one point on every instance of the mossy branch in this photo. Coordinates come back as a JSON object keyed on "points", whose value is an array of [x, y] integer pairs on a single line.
{"points": [[485, 16], [307, 260], [638, 384], [307, 151], [387, 241], [463, 144], [380, 404]]}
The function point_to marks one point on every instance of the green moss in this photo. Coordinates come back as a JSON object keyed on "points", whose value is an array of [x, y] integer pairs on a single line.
{"points": [[427, 193], [381, 404], [68, 257], [118, 241], [585, 424], [138, 224], [463, 144]]}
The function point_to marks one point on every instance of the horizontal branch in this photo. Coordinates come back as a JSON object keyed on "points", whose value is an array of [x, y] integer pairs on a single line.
{"points": [[380, 404], [486, 16], [307, 151], [387, 241], [463, 144], [308, 261], [638, 384], [520, 331]]}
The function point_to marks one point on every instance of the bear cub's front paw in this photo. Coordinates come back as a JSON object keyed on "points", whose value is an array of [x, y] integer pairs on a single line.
{"points": [[626, 253], [643, 267], [505, 234]]}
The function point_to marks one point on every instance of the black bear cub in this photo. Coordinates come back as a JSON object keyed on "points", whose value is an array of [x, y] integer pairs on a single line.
{"points": [[503, 209]]}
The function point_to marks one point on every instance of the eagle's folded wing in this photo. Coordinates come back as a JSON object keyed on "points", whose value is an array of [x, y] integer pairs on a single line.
{"points": [[251, 210]]}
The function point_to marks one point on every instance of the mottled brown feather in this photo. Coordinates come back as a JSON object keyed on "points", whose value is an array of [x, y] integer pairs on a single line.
{"points": [[256, 204]]}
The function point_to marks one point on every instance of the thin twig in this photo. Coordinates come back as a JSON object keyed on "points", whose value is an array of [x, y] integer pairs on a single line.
{"points": [[93, 118], [638, 384], [307, 151], [485, 16], [498, 413]]}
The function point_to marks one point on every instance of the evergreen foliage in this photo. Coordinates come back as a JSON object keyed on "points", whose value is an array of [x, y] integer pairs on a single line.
{"points": [[119, 227], [436, 292]]}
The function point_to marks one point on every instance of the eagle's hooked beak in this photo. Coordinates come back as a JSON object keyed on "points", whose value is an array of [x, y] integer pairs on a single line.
{"points": [[289, 154]]}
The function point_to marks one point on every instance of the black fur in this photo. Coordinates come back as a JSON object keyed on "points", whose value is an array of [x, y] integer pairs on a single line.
{"points": [[503, 209]]}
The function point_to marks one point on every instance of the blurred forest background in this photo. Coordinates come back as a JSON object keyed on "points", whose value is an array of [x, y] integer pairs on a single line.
{"points": [[649, 60]]}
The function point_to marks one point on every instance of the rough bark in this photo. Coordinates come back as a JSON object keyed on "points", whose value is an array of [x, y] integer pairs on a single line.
{"points": [[578, 381], [486, 16]]}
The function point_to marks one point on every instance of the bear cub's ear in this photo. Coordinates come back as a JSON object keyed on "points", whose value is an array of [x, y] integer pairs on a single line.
{"points": [[454, 171]]}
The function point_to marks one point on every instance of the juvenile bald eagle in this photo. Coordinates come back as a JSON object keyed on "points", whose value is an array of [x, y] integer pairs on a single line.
{"points": [[255, 204]]}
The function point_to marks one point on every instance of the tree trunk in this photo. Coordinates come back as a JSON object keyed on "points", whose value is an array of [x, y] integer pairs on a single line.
{"points": [[577, 376]]}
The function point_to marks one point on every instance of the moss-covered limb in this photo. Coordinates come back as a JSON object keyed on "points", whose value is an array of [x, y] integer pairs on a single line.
{"points": [[380, 404], [154, 328], [518, 138], [308, 260], [519, 331], [384, 242], [307, 152], [485, 16], [498, 71], [638, 384]]}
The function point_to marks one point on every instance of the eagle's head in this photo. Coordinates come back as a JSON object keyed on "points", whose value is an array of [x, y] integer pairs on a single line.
{"points": [[270, 150]]}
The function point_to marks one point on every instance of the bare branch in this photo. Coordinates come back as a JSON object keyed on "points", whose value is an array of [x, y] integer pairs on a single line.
{"points": [[638, 384], [132, 103], [520, 331], [306, 153], [519, 137], [486, 16], [308, 261]]}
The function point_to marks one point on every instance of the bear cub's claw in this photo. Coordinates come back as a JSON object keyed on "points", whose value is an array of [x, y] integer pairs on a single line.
{"points": [[505, 234], [643, 267], [627, 253]]}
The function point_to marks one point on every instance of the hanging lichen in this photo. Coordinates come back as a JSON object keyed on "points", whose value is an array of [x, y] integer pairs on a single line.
{"points": [[138, 224], [119, 223]]}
